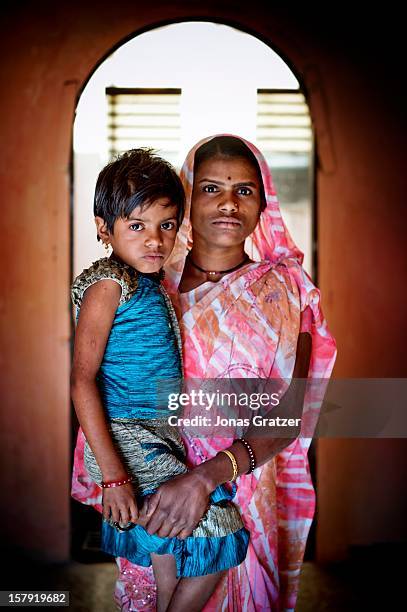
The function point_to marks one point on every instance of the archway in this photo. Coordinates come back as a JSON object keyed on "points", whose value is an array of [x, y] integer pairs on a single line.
{"points": [[140, 95], [169, 87]]}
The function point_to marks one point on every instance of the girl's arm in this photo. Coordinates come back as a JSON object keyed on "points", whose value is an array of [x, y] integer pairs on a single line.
{"points": [[96, 316]]}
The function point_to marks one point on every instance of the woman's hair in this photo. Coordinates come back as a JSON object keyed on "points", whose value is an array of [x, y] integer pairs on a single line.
{"points": [[229, 146], [136, 178]]}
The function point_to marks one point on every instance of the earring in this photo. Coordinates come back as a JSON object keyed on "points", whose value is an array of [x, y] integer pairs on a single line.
{"points": [[107, 246]]}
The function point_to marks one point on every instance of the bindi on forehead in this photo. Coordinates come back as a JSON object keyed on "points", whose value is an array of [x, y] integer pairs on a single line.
{"points": [[229, 178]]}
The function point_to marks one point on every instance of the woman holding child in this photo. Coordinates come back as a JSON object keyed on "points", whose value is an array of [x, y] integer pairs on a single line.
{"points": [[247, 310]]}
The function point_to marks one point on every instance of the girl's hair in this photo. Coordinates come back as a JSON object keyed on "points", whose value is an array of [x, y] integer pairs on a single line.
{"points": [[136, 178], [229, 146]]}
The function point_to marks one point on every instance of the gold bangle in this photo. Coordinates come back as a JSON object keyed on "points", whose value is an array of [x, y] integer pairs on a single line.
{"points": [[234, 464]]}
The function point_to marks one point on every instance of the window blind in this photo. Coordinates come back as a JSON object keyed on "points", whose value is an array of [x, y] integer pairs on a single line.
{"points": [[139, 117]]}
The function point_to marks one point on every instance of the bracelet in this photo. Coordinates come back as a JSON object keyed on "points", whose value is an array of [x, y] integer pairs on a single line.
{"points": [[116, 483], [252, 458], [234, 464]]}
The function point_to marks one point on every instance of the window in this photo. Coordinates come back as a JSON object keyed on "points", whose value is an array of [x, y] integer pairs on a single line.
{"points": [[139, 117], [285, 137]]}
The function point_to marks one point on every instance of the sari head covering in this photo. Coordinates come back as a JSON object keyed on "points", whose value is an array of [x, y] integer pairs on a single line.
{"points": [[270, 241], [272, 246]]}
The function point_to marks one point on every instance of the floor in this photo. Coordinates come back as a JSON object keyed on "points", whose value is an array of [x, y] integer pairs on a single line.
{"points": [[336, 589], [372, 578]]}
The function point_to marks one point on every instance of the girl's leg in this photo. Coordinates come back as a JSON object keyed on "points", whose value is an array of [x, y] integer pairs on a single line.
{"points": [[192, 593], [165, 574]]}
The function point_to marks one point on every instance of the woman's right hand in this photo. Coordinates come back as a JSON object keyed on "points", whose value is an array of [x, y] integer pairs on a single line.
{"points": [[177, 506], [119, 504]]}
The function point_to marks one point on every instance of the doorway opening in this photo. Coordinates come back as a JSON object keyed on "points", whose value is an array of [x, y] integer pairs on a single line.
{"points": [[167, 88]]}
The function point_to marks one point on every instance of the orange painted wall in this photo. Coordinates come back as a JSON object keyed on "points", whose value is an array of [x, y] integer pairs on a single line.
{"points": [[47, 53]]}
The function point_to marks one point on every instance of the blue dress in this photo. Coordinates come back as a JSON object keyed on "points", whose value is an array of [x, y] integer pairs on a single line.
{"points": [[142, 364]]}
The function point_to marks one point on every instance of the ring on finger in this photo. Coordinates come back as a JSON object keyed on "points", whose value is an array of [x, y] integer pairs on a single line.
{"points": [[121, 527]]}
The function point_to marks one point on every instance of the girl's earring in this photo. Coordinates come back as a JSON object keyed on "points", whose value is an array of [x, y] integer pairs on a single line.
{"points": [[107, 246]]}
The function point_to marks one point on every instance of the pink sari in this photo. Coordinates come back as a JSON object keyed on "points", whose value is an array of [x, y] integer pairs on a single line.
{"points": [[246, 326]]}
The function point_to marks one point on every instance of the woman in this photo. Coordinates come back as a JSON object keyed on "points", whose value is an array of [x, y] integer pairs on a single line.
{"points": [[248, 309]]}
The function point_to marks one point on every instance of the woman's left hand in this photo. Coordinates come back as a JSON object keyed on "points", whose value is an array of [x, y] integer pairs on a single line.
{"points": [[177, 506]]}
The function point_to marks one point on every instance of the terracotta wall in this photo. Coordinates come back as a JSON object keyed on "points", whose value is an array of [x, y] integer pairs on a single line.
{"points": [[47, 53]]}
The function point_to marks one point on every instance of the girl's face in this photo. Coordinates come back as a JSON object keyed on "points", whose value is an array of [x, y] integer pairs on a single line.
{"points": [[146, 238], [226, 201]]}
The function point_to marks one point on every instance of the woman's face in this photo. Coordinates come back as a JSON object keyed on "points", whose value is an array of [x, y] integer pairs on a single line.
{"points": [[226, 201]]}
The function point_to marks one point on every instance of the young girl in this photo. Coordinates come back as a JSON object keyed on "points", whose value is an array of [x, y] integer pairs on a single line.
{"points": [[126, 346]]}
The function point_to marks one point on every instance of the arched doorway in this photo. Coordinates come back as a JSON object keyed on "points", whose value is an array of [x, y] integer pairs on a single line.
{"points": [[150, 92]]}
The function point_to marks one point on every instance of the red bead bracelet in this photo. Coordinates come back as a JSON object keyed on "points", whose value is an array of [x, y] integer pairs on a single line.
{"points": [[116, 483]]}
